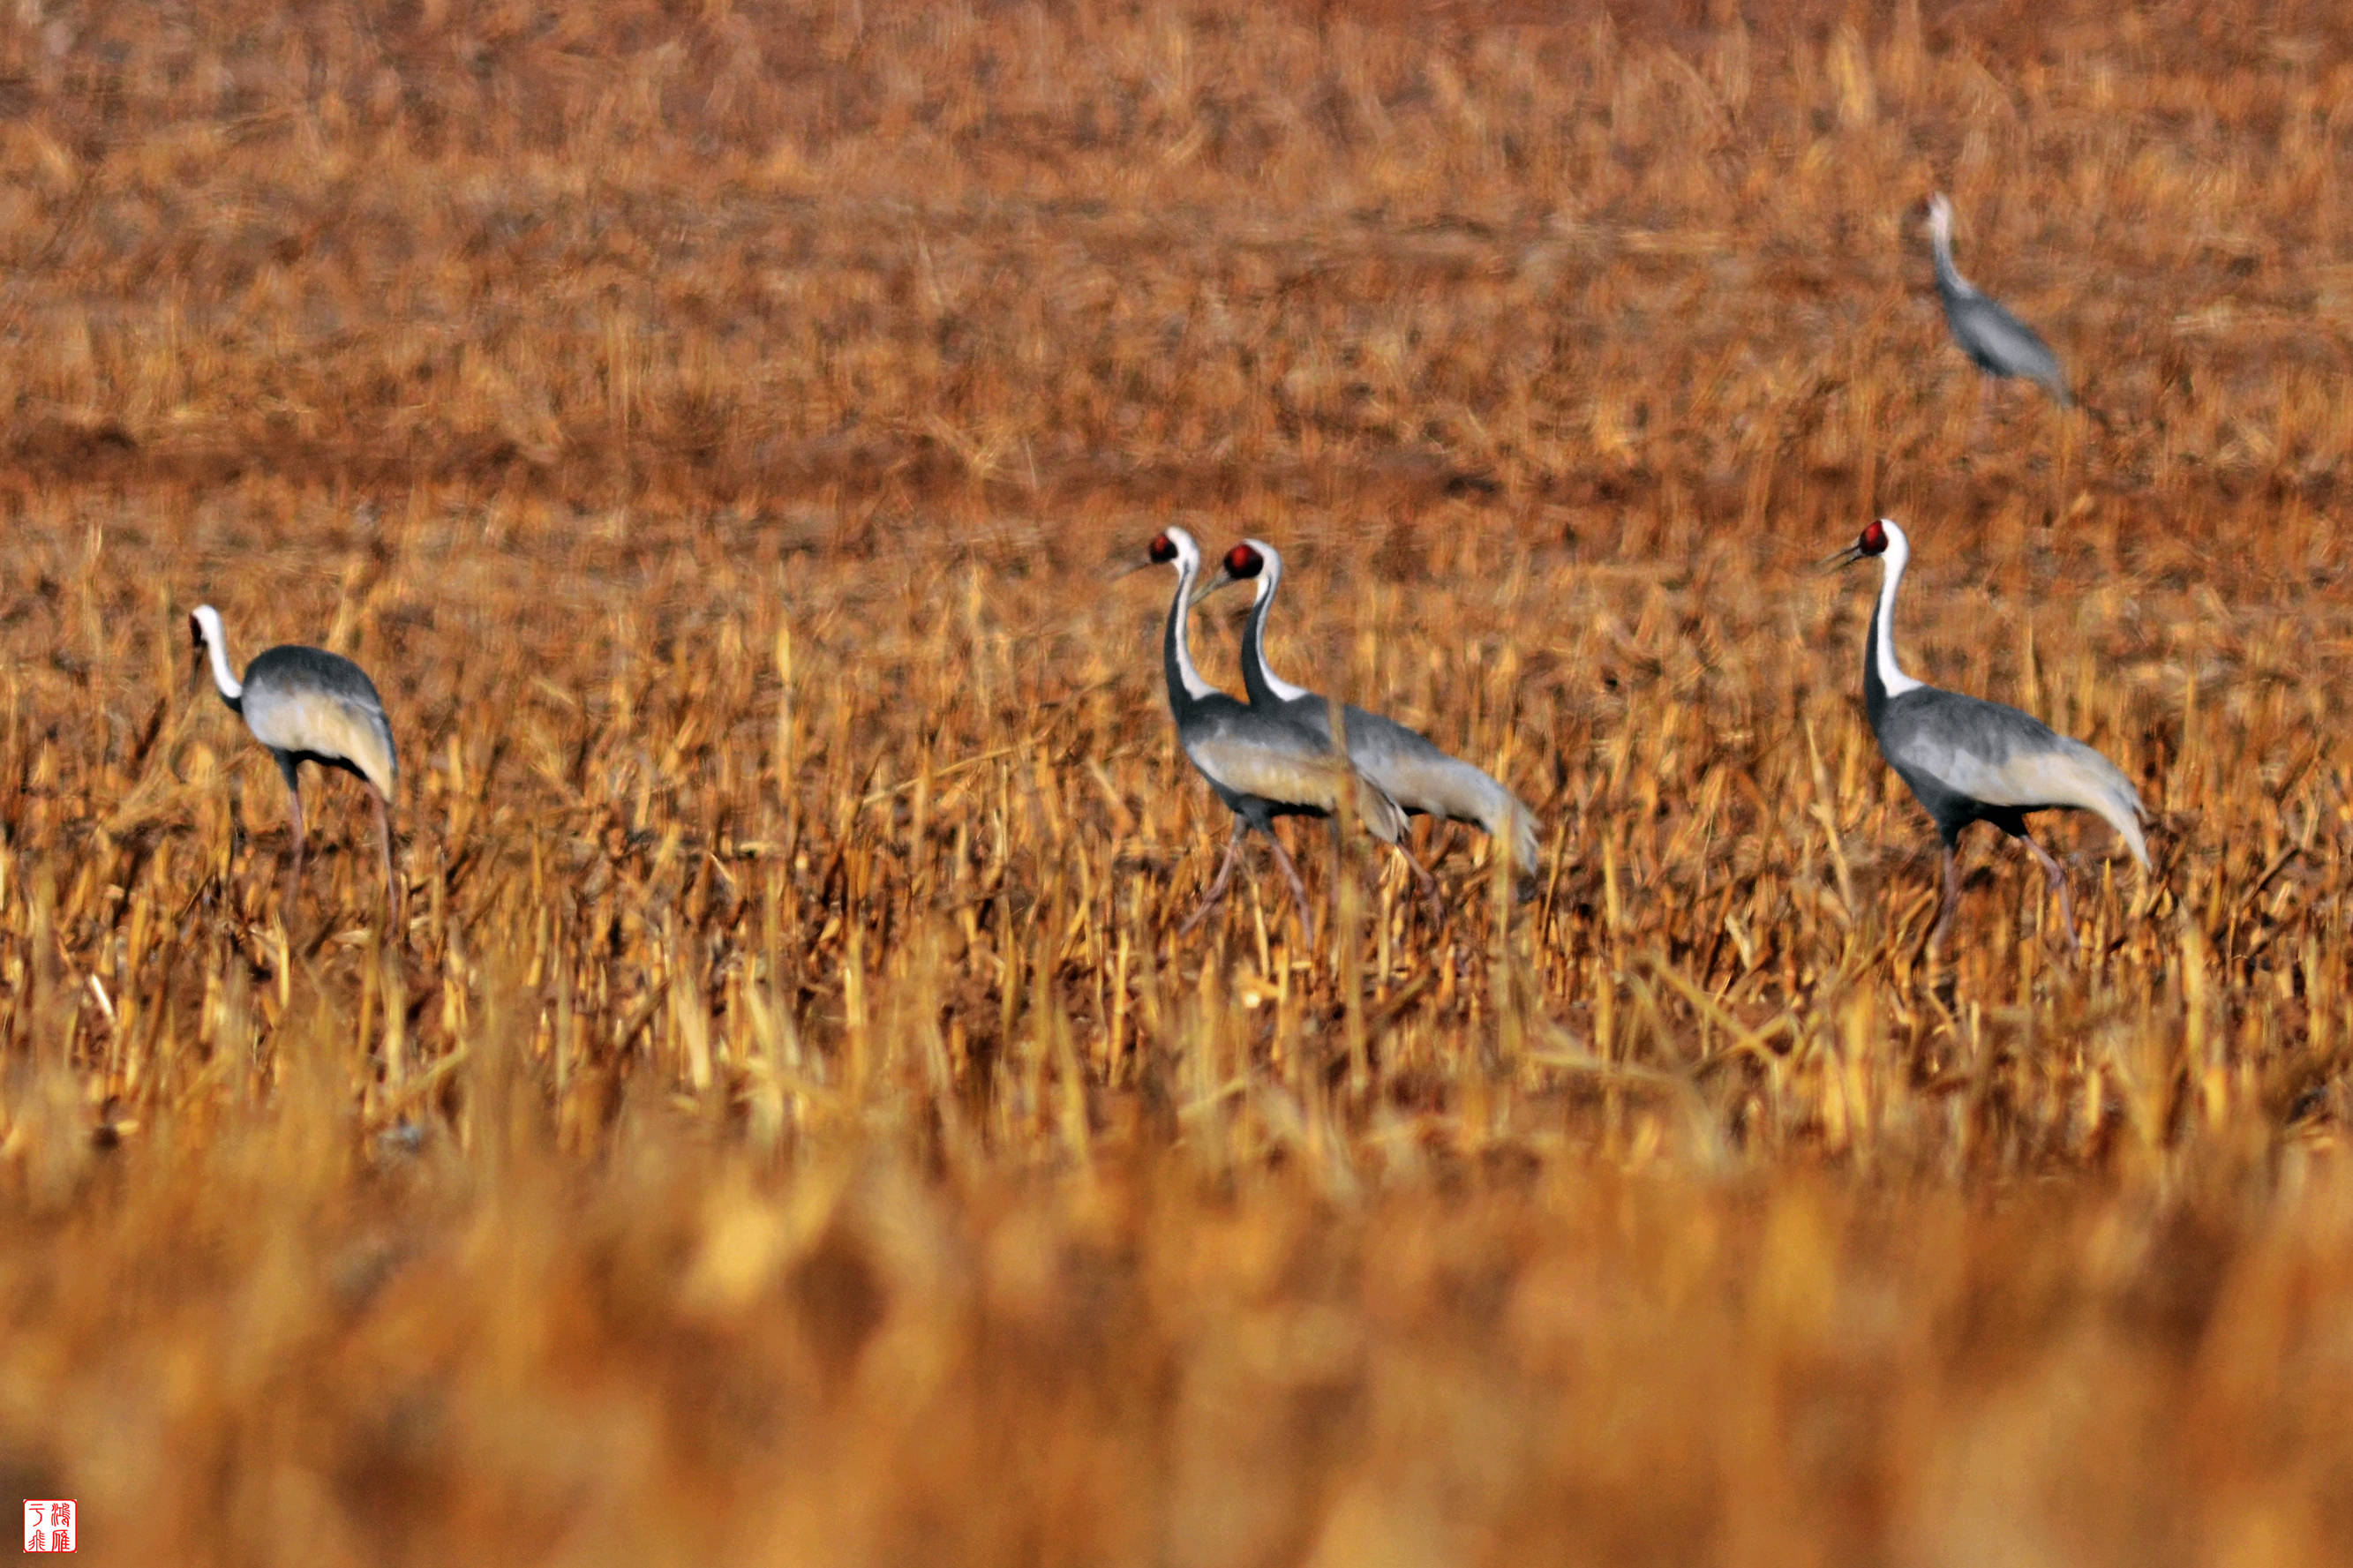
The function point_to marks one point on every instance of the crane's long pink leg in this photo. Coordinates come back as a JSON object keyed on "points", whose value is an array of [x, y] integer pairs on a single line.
{"points": [[1298, 888], [294, 820], [2051, 869], [1218, 885], [1332, 884], [1952, 905], [392, 889], [1428, 882]]}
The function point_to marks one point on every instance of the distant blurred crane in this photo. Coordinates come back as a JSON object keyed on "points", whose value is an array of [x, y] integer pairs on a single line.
{"points": [[1261, 764], [307, 705], [2000, 344], [1967, 759], [1406, 764]]}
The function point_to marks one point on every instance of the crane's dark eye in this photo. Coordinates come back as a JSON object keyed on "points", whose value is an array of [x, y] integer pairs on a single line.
{"points": [[1243, 562], [1874, 539], [1163, 550]]}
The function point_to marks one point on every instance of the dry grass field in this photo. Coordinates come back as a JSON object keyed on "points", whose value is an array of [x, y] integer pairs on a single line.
{"points": [[787, 1128]]}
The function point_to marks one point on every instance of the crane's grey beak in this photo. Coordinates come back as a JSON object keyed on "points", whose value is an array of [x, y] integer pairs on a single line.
{"points": [[1223, 577], [1847, 557], [1128, 569]]}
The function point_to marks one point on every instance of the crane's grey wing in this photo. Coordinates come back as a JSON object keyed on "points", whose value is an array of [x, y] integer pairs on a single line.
{"points": [[293, 668], [1411, 770], [1379, 737], [2003, 344], [1421, 778], [307, 699], [1379, 813], [1290, 766], [1993, 753]]}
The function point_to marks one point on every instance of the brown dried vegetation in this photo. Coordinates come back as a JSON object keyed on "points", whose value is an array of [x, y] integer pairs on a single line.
{"points": [[785, 1129]]}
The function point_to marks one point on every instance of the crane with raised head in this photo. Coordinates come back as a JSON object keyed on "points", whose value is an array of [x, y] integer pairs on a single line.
{"points": [[307, 705], [2001, 344], [1967, 759], [1410, 767], [1262, 765]]}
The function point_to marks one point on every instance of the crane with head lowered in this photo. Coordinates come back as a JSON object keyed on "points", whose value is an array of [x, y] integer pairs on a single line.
{"points": [[307, 705]]}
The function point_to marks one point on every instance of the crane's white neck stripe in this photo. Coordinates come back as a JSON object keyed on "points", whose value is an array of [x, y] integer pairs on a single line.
{"points": [[1188, 567], [1898, 556], [231, 688], [1269, 581], [1941, 237]]}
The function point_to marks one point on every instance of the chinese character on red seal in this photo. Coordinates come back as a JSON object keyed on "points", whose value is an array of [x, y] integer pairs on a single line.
{"points": [[48, 1525]]}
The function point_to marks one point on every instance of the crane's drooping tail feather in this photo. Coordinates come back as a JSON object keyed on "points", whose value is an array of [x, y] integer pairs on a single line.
{"points": [[1495, 808], [1377, 811], [2129, 830], [1524, 847], [2072, 774], [2111, 796]]}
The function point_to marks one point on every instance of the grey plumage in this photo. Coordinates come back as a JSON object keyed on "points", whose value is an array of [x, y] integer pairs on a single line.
{"points": [[307, 705], [316, 705], [1998, 342], [1261, 764], [1967, 759], [1408, 765], [1268, 770]]}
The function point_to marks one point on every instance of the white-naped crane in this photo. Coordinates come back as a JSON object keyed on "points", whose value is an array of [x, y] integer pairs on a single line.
{"points": [[2001, 344], [307, 705], [1408, 766], [1262, 765], [1967, 759]]}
